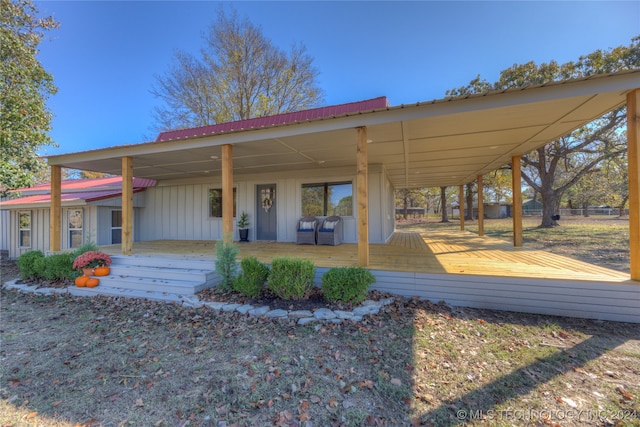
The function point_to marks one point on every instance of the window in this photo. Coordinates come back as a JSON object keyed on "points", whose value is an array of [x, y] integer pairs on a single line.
{"points": [[327, 199], [24, 233], [215, 203], [75, 227], [116, 227]]}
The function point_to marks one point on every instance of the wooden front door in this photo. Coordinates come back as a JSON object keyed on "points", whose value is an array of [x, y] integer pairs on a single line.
{"points": [[266, 215]]}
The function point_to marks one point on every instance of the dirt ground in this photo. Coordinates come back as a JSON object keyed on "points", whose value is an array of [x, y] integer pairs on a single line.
{"points": [[101, 361], [68, 361]]}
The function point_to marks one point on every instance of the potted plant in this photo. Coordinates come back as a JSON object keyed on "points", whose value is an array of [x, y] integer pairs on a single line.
{"points": [[93, 263], [243, 227]]}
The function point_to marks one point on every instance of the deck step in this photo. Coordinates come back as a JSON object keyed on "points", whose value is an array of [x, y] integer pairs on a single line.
{"points": [[166, 262], [152, 272], [153, 284], [128, 293], [157, 278]]}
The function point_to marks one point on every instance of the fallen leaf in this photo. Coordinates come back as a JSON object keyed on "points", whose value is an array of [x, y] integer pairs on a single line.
{"points": [[569, 402], [624, 393], [396, 381], [56, 403], [31, 415], [139, 402], [333, 402], [366, 384]]}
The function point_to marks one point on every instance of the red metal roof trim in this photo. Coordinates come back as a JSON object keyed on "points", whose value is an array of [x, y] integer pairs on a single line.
{"points": [[87, 197], [114, 182], [278, 119]]}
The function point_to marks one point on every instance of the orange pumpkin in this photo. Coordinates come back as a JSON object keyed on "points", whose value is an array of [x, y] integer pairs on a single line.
{"points": [[102, 271], [92, 282], [81, 281]]}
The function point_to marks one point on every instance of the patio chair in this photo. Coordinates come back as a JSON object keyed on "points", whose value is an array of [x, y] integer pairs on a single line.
{"points": [[306, 231], [330, 231]]}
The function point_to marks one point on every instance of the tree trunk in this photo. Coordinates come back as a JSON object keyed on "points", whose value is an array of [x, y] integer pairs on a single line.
{"points": [[548, 199], [585, 209], [443, 204], [621, 207], [469, 195], [406, 206]]}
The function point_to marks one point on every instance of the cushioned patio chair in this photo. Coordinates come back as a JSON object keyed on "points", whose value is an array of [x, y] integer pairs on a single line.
{"points": [[330, 231], [306, 230]]}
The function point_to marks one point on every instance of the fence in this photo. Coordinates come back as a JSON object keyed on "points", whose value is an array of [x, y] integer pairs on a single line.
{"points": [[578, 212]]}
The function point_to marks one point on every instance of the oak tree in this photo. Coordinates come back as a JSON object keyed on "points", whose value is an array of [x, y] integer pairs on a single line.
{"points": [[239, 74], [551, 170]]}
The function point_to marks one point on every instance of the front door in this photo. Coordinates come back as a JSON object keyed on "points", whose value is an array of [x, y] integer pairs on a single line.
{"points": [[266, 215]]}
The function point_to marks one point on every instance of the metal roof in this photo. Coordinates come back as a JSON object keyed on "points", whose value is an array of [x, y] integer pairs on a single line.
{"points": [[442, 142], [81, 191], [277, 120]]}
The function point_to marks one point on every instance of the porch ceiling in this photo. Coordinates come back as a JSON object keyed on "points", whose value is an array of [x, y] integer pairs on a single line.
{"points": [[439, 143]]}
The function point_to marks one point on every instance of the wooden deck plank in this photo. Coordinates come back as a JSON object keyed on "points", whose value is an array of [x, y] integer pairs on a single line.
{"points": [[430, 252]]}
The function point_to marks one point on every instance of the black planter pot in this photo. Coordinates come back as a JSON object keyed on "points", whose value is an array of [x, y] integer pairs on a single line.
{"points": [[244, 234]]}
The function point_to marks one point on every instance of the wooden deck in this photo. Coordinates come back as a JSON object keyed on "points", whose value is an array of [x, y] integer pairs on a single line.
{"points": [[431, 252], [456, 267]]}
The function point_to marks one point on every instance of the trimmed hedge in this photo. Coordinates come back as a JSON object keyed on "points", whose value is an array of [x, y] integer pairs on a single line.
{"points": [[251, 280], [34, 265], [347, 284], [59, 266], [30, 265], [291, 278]]}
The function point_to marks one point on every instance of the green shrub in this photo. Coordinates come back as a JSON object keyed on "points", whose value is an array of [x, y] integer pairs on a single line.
{"points": [[28, 264], [347, 284], [226, 266], [291, 278], [58, 266], [251, 281]]}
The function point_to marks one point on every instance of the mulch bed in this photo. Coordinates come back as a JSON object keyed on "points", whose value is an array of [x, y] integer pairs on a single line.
{"points": [[315, 301]]}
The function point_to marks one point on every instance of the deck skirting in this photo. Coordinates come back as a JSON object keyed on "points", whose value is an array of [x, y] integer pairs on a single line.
{"points": [[618, 302]]}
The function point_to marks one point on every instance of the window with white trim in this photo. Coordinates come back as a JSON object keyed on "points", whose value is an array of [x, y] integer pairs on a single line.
{"points": [[116, 227], [24, 229], [75, 222]]}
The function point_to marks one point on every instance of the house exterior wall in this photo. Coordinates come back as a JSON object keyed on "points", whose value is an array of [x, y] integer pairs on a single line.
{"points": [[4, 230], [179, 210], [96, 227], [103, 236], [39, 231]]}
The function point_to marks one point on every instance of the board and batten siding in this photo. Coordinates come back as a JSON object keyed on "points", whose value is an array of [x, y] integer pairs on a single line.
{"points": [[179, 210], [104, 224], [4, 230], [39, 231]]}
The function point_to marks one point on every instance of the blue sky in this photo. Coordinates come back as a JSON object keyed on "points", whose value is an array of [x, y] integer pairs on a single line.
{"points": [[105, 55]]}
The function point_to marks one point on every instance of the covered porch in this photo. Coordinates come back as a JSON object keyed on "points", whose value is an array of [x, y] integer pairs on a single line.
{"points": [[454, 266], [442, 251]]}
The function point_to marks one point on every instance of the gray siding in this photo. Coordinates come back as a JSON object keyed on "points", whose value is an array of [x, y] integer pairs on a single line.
{"points": [[592, 300], [39, 231], [180, 209], [4, 230]]}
